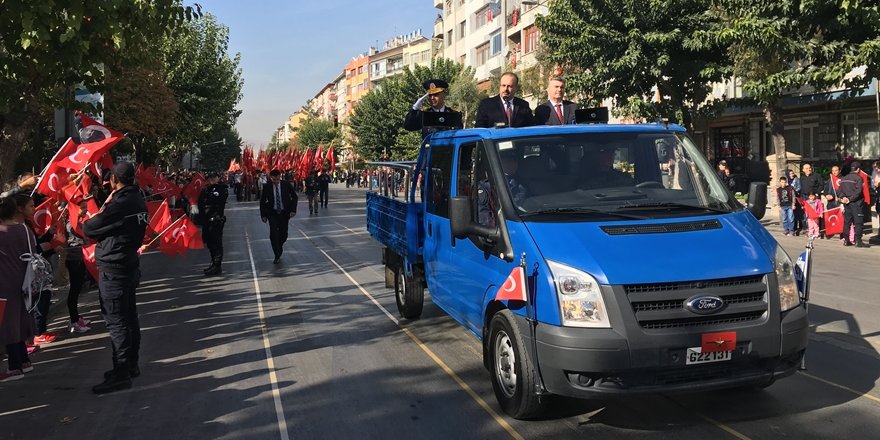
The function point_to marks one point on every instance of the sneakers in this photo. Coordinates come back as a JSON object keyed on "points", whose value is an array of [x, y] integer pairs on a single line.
{"points": [[45, 338], [31, 348], [27, 367], [9, 376], [79, 326]]}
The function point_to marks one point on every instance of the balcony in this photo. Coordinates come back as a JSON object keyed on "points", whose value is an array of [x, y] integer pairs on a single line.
{"points": [[438, 4], [513, 18]]}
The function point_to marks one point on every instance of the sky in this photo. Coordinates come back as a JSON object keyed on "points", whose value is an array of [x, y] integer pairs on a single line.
{"points": [[291, 49]]}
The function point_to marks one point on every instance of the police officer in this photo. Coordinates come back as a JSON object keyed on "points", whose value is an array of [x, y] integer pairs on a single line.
{"points": [[119, 230], [851, 193], [212, 202], [436, 96]]}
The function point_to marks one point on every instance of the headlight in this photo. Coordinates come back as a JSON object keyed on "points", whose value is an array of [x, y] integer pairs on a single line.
{"points": [[788, 291], [580, 300]]}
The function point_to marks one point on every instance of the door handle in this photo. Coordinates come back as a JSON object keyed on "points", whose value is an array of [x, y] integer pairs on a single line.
{"points": [[430, 230]]}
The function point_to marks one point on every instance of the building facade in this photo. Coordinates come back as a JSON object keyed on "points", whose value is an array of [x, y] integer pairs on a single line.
{"points": [[357, 79]]}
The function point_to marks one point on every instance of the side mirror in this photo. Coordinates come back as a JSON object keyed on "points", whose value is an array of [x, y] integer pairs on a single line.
{"points": [[757, 199], [461, 220]]}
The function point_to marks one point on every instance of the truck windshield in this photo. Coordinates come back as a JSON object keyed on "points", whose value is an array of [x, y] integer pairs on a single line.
{"points": [[636, 174]]}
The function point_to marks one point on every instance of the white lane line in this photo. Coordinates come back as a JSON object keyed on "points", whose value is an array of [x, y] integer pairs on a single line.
{"points": [[270, 362], [9, 413], [430, 353], [364, 231]]}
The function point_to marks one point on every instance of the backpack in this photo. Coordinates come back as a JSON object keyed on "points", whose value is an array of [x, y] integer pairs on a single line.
{"points": [[37, 277]]}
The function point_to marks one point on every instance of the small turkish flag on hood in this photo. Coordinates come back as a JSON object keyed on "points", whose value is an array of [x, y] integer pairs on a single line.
{"points": [[514, 288]]}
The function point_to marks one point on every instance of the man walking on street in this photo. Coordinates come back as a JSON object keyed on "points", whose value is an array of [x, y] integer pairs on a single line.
{"points": [[212, 203], [324, 188], [277, 207], [852, 197], [119, 230]]}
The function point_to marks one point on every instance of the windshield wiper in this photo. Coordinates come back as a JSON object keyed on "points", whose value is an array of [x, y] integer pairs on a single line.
{"points": [[672, 205], [583, 211]]}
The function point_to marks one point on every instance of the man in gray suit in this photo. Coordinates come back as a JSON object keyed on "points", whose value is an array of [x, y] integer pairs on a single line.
{"points": [[556, 111]]}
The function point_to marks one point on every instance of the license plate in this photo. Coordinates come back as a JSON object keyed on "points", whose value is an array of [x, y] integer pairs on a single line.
{"points": [[695, 356]]}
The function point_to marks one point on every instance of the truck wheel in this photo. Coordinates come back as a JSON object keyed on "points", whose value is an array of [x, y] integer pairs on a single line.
{"points": [[513, 374], [409, 292]]}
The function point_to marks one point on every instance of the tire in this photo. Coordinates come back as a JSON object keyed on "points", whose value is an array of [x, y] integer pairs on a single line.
{"points": [[409, 293], [513, 374]]}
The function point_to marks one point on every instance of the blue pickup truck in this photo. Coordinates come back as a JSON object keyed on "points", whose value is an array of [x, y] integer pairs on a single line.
{"points": [[632, 267]]}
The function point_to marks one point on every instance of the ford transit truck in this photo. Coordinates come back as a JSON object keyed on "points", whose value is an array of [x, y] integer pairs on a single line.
{"points": [[592, 261]]}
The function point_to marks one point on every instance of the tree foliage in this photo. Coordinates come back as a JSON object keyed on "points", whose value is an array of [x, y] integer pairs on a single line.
{"points": [[377, 120], [316, 131], [206, 81], [46, 47], [624, 50], [216, 157], [778, 47]]}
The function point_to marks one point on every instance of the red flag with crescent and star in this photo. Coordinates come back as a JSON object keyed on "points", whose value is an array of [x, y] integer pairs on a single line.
{"points": [[45, 215], [89, 153], [833, 221], [514, 288]]}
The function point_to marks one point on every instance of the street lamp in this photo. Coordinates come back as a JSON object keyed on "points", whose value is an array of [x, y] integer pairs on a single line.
{"points": [[196, 144]]}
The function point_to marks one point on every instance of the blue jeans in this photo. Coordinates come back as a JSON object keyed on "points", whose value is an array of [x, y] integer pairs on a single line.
{"points": [[787, 218]]}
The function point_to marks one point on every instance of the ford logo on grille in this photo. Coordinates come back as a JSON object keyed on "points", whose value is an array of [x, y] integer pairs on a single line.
{"points": [[705, 305]]}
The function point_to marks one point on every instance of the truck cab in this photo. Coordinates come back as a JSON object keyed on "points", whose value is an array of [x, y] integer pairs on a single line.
{"points": [[640, 271]]}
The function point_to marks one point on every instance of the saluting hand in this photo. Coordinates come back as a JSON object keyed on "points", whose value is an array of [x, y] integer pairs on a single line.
{"points": [[419, 102]]}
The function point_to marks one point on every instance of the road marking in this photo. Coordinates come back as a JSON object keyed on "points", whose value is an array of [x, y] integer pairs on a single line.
{"points": [[270, 362], [843, 387], [9, 413], [446, 369], [351, 230]]}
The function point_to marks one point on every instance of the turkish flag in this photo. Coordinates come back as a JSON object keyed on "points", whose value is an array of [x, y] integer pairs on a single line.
{"points": [[93, 130], [332, 158], [53, 181], [89, 259], [104, 163], [721, 341], [319, 158], [59, 238], [73, 210], [514, 288], [165, 188], [834, 221], [86, 154], [45, 216], [75, 193], [194, 188], [160, 218], [808, 209], [182, 236]]}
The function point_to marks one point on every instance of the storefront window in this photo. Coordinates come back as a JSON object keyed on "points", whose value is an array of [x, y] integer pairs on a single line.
{"points": [[861, 134]]}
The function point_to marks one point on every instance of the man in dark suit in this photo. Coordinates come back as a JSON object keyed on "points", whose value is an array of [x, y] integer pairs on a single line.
{"points": [[277, 206], [556, 111], [436, 96], [504, 107]]}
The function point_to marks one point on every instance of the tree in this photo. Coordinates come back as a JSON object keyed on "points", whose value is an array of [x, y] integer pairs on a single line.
{"points": [[778, 47], [216, 157], [206, 82], [465, 95], [316, 131], [46, 49], [624, 50]]}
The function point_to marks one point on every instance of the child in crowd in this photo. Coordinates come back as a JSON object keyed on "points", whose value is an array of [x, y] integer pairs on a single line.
{"points": [[785, 195], [814, 214]]}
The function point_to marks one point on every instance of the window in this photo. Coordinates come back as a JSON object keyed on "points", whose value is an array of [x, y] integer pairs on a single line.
{"points": [[360, 70], [495, 39], [481, 54], [860, 134], [440, 165], [461, 59], [449, 38], [461, 28], [475, 183], [530, 39], [426, 56], [482, 17]]}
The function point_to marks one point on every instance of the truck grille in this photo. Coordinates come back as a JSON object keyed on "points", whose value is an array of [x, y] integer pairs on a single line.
{"points": [[662, 305]]}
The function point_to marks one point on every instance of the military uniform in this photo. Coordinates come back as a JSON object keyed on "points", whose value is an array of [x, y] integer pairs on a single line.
{"points": [[212, 203], [413, 120]]}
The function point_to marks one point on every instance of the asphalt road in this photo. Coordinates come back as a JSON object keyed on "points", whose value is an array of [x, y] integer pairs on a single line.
{"points": [[312, 348]]}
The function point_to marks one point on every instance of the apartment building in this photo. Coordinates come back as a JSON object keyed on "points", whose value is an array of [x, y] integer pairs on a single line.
{"points": [[489, 34], [324, 102], [357, 78]]}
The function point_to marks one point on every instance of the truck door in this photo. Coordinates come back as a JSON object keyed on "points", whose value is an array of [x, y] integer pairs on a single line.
{"points": [[438, 188]]}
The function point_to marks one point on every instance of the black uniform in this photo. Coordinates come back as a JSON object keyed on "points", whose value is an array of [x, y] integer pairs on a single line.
{"points": [[119, 230], [212, 203], [413, 122], [854, 211], [323, 188]]}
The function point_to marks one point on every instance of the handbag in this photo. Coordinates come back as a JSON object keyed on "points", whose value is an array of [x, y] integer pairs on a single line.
{"points": [[37, 276]]}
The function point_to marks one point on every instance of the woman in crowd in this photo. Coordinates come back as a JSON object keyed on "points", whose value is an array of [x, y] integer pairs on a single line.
{"points": [[17, 325]]}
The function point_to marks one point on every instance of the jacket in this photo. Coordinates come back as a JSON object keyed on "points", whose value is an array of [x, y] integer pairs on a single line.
{"points": [[491, 111], [212, 201], [545, 114], [851, 187], [119, 230], [267, 199]]}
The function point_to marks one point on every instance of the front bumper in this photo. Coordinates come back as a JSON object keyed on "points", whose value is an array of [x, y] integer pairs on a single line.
{"points": [[601, 363]]}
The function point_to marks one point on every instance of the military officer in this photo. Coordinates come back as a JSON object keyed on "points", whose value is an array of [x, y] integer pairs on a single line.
{"points": [[212, 202], [436, 96]]}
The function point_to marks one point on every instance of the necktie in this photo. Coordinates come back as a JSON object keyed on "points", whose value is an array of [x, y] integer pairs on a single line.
{"points": [[278, 197], [559, 113], [509, 111]]}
